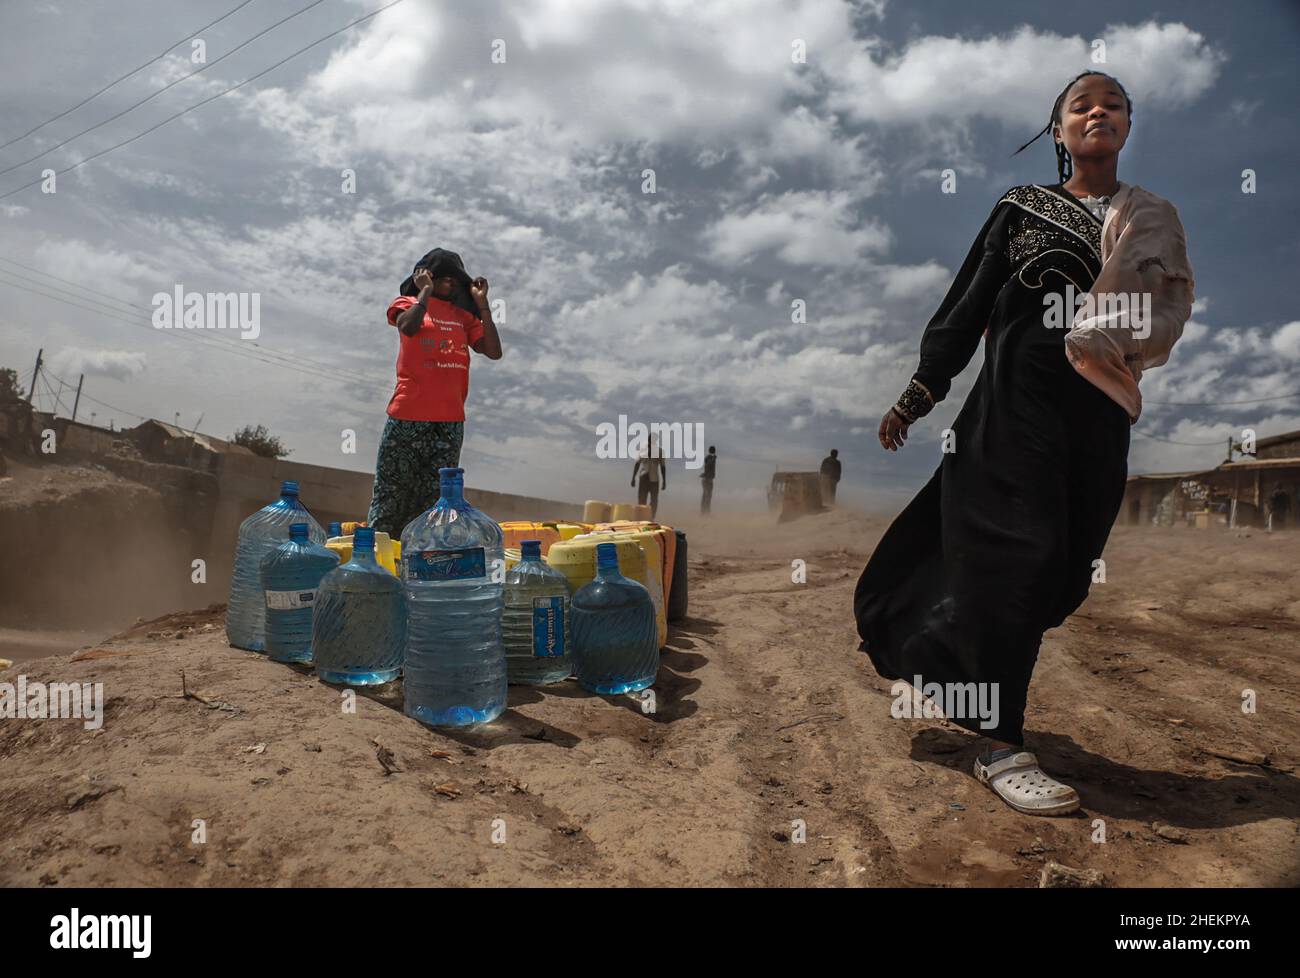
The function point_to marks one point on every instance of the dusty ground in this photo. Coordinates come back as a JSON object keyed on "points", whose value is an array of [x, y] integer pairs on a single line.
{"points": [[765, 715], [86, 551]]}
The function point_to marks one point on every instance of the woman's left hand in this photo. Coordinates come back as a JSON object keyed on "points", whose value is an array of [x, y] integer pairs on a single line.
{"points": [[893, 431], [479, 290]]}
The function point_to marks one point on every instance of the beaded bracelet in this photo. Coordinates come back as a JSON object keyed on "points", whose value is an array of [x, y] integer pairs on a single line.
{"points": [[915, 402]]}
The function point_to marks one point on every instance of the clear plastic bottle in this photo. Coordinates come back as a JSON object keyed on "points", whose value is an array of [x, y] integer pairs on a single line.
{"points": [[493, 535], [455, 668], [291, 574], [259, 534], [359, 629], [535, 621], [615, 636]]}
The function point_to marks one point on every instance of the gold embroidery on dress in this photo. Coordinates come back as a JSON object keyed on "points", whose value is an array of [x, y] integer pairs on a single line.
{"points": [[1059, 213], [1079, 289]]}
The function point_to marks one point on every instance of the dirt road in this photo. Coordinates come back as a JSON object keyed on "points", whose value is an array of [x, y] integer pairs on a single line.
{"points": [[767, 729]]}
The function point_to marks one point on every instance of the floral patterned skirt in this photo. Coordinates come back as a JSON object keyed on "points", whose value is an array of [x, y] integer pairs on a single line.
{"points": [[406, 471]]}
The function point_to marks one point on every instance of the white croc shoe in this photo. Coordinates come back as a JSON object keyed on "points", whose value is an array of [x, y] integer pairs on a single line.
{"points": [[1021, 783]]}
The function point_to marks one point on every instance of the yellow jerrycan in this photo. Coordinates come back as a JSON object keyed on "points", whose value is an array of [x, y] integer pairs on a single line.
{"points": [[667, 543], [576, 560], [516, 532], [595, 511], [387, 552]]}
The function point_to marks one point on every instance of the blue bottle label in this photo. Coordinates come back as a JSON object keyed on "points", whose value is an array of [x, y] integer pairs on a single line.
{"points": [[290, 600], [548, 627], [446, 565]]}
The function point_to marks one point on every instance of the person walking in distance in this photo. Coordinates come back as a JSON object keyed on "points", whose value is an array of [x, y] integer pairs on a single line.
{"points": [[649, 475], [830, 476], [707, 476]]}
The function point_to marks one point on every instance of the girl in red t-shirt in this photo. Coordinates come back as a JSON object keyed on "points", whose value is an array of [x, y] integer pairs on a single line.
{"points": [[426, 415]]}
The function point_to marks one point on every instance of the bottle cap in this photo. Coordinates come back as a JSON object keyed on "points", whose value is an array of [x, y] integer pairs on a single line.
{"points": [[288, 488], [363, 538], [530, 548], [336, 529], [606, 555], [298, 531]]}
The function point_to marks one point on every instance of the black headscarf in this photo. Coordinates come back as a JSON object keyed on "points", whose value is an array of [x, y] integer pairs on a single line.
{"points": [[440, 263]]}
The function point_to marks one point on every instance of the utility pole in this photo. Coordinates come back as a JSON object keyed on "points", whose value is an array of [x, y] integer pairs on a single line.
{"points": [[80, 380], [35, 373]]}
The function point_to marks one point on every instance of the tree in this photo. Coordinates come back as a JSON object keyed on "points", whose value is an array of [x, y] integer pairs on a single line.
{"points": [[10, 389], [259, 441]]}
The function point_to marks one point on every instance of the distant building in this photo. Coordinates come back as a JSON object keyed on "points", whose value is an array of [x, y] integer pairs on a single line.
{"points": [[1255, 490], [159, 441]]}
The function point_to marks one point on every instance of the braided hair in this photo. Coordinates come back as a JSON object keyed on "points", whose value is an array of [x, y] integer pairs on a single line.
{"points": [[1064, 164]]}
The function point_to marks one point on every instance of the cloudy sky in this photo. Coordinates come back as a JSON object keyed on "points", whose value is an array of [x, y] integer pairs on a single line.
{"points": [[518, 133]]}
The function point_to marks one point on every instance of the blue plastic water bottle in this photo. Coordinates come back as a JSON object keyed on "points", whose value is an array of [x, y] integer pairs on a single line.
{"points": [[359, 629], [291, 574], [455, 668], [615, 638], [258, 535], [535, 620]]}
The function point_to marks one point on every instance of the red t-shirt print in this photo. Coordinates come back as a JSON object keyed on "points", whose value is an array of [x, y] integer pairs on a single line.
{"points": [[433, 365]]}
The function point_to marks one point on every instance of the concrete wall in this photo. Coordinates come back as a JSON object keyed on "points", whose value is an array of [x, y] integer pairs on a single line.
{"points": [[204, 502], [1141, 497]]}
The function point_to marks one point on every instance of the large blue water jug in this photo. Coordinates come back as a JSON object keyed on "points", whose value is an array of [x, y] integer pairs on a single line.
{"points": [[359, 629], [615, 636], [453, 569], [535, 620], [291, 574], [258, 535]]}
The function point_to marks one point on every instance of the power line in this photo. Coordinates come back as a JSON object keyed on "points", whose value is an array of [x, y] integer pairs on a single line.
{"points": [[102, 403], [261, 354], [228, 347], [95, 95], [211, 98], [338, 372], [57, 397], [79, 286], [154, 95]]}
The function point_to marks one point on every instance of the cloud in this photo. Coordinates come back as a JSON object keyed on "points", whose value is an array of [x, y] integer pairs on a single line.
{"points": [[810, 228], [913, 282], [1286, 341], [1013, 78], [776, 181], [100, 267], [70, 362]]}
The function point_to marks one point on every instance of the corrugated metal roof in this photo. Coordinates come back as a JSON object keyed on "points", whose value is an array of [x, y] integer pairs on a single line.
{"points": [[1259, 463], [1278, 439], [1158, 476], [211, 443]]}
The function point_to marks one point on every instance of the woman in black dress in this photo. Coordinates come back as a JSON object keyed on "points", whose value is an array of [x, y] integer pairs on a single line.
{"points": [[1000, 544]]}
